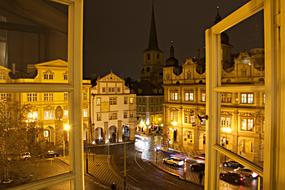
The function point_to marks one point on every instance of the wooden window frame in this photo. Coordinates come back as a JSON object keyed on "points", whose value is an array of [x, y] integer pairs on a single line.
{"points": [[274, 45]]}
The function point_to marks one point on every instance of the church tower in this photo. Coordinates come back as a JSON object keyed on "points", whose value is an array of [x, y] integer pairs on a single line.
{"points": [[226, 46], [153, 57]]}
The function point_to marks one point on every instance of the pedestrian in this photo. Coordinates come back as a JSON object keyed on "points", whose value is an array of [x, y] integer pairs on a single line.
{"points": [[200, 175], [113, 186]]}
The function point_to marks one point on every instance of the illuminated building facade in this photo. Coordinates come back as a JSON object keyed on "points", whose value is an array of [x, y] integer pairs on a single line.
{"points": [[49, 110], [242, 113], [113, 109]]}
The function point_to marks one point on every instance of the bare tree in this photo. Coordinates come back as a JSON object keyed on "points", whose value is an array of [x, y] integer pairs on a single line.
{"points": [[17, 133]]}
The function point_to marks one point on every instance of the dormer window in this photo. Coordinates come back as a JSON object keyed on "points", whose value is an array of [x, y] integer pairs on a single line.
{"points": [[48, 75]]}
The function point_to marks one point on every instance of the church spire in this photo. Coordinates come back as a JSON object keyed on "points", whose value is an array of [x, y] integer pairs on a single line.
{"points": [[152, 44]]}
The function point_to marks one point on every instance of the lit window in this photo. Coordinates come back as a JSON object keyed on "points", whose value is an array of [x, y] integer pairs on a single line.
{"points": [[174, 95], [203, 96], [48, 115], [189, 96], [131, 100], [113, 100], [225, 122], [32, 97], [48, 97], [32, 116], [46, 133], [65, 113], [98, 101], [85, 112], [247, 98], [247, 124]]}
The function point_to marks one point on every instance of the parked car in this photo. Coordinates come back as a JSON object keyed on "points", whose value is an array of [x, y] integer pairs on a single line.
{"points": [[233, 178], [25, 156], [197, 167], [246, 172], [232, 164], [51, 154], [175, 161], [200, 158]]}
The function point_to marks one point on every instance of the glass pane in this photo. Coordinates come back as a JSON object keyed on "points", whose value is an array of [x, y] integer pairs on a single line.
{"points": [[234, 176], [33, 37], [241, 128], [243, 55], [34, 139]]}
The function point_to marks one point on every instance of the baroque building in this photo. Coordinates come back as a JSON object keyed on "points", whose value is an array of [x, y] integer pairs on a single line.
{"points": [[48, 111], [149, 89], [113, 108], [241, 115]]}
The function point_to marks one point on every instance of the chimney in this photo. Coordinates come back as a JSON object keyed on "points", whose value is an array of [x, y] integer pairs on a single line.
{"points": [[13, 68]]}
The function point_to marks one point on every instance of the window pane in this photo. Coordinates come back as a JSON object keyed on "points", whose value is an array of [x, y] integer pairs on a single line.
{"points": [[242, 127], [34, 137], [32, 40], [243, 55], [233, 175]]}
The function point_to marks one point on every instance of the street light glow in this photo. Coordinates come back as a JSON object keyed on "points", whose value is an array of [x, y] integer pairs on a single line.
{"points": [[66, 127], [174, 123]]}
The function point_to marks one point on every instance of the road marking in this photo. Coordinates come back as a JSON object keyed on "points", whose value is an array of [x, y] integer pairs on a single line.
{"points": [[137, 161]]}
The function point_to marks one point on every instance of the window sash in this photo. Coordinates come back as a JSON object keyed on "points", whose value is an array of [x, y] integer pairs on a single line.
{"points": [[75, 23], [213, 81]]}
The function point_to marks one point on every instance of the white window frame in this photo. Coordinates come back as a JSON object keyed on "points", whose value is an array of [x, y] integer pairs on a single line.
{"points": [[74, 89], [274, 45]]}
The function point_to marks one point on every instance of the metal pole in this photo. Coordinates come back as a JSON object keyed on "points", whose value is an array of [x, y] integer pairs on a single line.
{"points": [[125, 167]]}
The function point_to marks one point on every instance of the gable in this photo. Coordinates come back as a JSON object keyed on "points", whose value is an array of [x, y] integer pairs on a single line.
{"points": [[53, 63], [111, 77]]}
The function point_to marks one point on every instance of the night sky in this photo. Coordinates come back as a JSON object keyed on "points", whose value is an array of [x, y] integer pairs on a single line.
{"points": [[116, 31]]}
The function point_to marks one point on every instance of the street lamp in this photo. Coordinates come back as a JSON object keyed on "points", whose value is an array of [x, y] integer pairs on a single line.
{"points": [[66, 129]]}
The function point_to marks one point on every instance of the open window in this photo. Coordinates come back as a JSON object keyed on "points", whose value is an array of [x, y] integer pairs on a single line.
{"points": [[241, 130]]}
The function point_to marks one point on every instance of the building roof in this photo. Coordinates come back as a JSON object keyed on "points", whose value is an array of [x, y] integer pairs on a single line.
{"points": [[146, 88]]}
